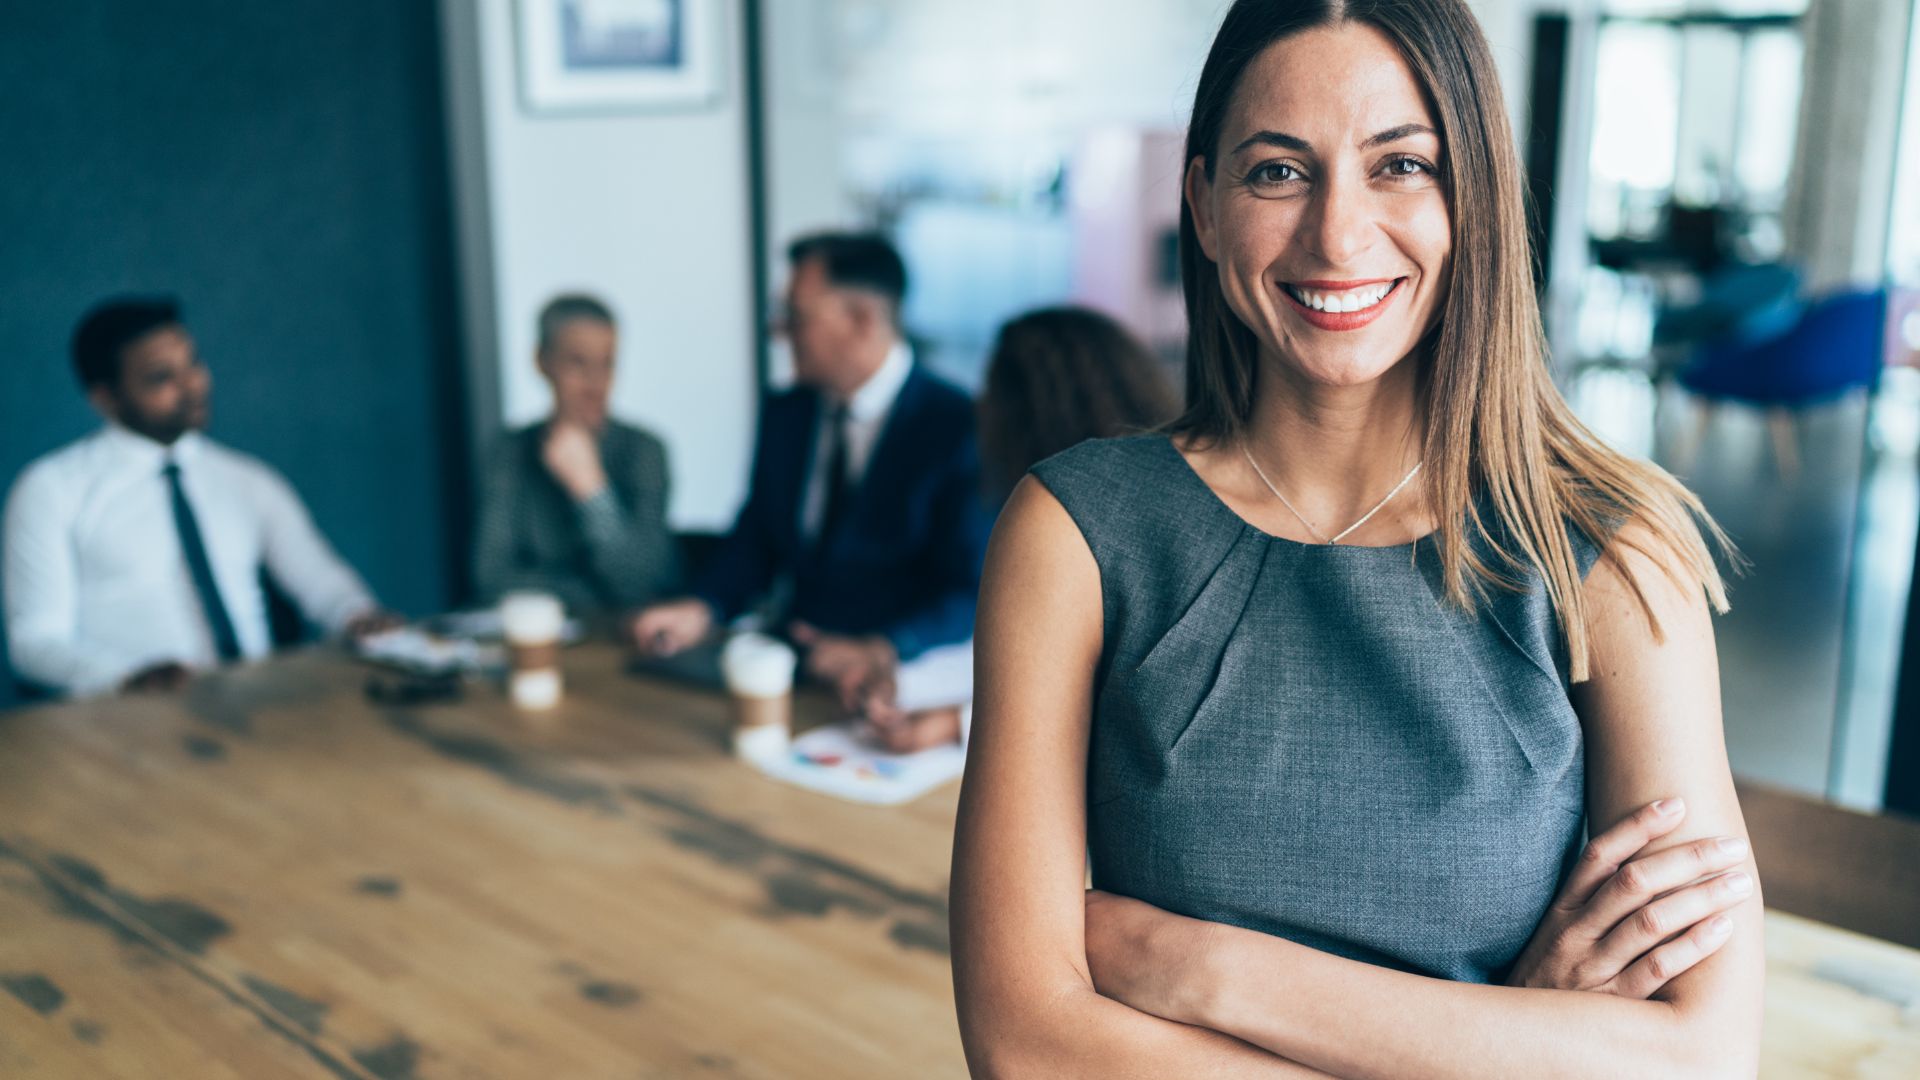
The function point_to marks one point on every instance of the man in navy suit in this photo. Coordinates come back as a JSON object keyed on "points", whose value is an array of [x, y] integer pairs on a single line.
{"points": [[864, 516]]}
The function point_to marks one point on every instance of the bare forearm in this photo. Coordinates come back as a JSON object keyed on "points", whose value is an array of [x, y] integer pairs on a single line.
{"points": [[1081, 1034], [1358, 1020]]}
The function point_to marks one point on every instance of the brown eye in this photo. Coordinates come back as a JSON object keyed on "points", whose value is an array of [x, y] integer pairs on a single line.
{"points": [[1272, 173]]}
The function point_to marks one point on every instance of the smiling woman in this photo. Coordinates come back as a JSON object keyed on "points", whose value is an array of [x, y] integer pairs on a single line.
{"points": [[1331, 735]]}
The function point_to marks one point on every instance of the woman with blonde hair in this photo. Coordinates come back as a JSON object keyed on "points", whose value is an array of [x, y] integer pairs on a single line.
{"points": [[1328, 676]]}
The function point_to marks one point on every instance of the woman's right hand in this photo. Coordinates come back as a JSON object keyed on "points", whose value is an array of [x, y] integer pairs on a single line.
{"points": [[1627, 923]]}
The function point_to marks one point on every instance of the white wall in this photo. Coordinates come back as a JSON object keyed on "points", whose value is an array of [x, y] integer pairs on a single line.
{"points": [[647, 210], [801, 61], [1125, 198], [957, 66]]}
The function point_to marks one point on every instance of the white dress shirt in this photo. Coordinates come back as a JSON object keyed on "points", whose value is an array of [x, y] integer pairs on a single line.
{"points": [[867, 413], [97, 586]]}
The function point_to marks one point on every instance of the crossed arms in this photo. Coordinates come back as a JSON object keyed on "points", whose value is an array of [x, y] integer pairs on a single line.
{"points": [[1052, 982]]}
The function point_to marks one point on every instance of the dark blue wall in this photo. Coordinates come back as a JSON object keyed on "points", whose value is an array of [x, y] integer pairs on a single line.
{"points": [[281, 168]]}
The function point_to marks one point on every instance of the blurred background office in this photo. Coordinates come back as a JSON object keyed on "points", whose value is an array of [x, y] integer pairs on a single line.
{"points": [[363, 205]]}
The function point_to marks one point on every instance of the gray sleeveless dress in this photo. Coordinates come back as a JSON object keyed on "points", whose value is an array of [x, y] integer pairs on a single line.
{"points": [[1309, 741]]}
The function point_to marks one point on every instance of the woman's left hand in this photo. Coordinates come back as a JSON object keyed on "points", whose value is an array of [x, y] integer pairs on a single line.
{"points": [[1148, 958], [1627, 922]]}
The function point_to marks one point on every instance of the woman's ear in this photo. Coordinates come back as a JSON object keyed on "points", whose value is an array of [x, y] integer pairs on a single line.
{"points": [[1198, 190]]}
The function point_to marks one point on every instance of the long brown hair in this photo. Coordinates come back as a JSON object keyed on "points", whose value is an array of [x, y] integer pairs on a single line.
{"points": [[1059, 376], [1496, 425]]}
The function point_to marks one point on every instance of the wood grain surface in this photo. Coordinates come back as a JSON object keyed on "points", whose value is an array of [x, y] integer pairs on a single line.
{"points": [[271, 876]]}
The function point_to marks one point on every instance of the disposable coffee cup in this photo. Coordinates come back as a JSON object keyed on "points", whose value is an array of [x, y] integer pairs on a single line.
{"points": [[531, 623], [759, 673]]}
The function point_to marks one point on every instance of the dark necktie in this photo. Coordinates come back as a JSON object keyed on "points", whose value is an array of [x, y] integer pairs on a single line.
{"points": [[195, 549], [838, 493]]}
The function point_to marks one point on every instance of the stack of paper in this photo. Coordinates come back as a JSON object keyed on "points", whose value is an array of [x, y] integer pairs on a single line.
{"points": [[834, 761]]}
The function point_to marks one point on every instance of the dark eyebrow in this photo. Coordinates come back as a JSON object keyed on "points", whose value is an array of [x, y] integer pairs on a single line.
{"points": [[1294, 142], [1395, 134], [1274, 138]]}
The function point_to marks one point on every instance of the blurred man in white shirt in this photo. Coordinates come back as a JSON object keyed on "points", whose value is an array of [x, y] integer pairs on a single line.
{"points": [[133, 556]]}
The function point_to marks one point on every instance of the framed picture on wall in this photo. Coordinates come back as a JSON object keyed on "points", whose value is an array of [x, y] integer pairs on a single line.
{"points": [[596, 55]]}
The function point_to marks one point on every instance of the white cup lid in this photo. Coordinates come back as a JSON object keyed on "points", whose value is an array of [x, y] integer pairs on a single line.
{"points": [[531, 616], [757, 665]]}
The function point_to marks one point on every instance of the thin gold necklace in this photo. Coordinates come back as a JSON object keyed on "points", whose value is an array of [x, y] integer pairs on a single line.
{"points": [[1343, 533]]}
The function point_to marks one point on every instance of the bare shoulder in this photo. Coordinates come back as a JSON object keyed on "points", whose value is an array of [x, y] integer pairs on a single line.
{"points": [[1033, 525], [1651, 707], [1037, 641], [1642, 595], [1040, 576]]}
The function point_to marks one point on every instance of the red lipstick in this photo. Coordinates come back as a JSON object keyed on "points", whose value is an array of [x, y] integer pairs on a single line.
{"points": [[1340, 320]]}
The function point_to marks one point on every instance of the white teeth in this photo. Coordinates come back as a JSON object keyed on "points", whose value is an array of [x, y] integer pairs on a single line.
{"points": [[1351, 300]]}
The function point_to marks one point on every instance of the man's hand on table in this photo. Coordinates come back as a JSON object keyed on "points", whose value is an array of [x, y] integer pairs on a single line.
{"points": [[903, 732], [370, 622], [848, 664], [674, 626]]}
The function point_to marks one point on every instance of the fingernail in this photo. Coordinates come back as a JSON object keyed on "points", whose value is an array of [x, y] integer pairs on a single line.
{"points": [[1732, 845], [1667, 807], [1740, 884], [1719, 926]]}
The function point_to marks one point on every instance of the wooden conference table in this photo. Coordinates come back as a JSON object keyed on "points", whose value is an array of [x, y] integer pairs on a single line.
{"points": [[271, 876]]}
